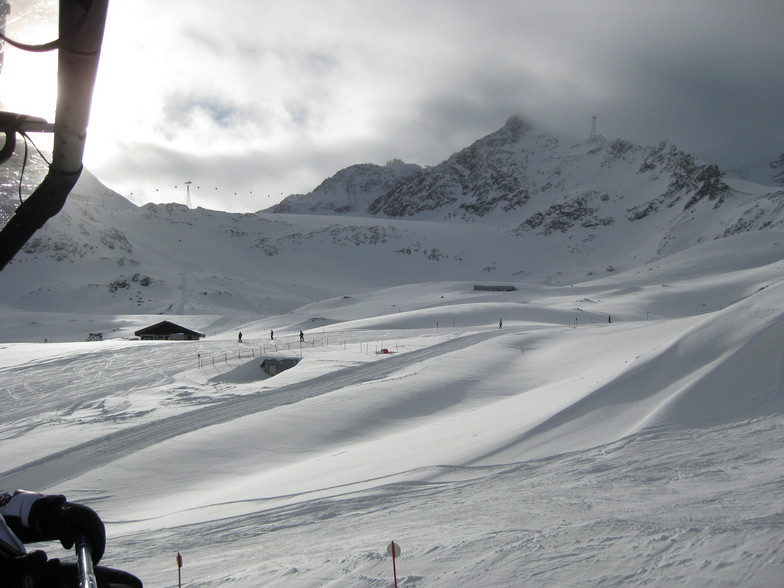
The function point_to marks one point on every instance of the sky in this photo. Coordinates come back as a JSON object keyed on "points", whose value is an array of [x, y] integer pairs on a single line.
{"points": [[253, 100]]}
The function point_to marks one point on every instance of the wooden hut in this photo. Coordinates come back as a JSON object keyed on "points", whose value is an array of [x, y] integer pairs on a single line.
{"points": [[168, 331]]}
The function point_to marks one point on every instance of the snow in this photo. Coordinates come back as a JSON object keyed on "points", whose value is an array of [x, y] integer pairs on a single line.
{"points": [[623, 428], [560, 450]]}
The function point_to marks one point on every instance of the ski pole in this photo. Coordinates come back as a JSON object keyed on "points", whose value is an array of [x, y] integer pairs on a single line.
{"points": [[84, 563]]}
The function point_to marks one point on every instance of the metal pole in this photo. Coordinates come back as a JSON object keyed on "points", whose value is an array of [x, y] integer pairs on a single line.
{"points": [[84, 564], [77, 66]]}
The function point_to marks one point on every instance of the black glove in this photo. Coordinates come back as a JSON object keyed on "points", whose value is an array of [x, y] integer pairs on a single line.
{"points": [[33, 570], [67, 574], [26, 570], [54, 518]]}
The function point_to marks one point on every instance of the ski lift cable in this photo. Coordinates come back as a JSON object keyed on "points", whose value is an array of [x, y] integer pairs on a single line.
{"points": [[22, 172], [27, 138], [62, 40], [12, 124]]}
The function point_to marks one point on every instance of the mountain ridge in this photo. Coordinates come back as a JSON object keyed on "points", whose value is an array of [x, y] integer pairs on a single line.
{"points": [[506, 168], [518, 204]]}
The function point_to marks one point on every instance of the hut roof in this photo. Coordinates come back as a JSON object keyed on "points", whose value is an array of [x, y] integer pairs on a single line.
{"points": [[167, 328]]}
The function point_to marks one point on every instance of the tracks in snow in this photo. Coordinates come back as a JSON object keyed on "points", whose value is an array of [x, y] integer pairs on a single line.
{"points": [[69, 463]]}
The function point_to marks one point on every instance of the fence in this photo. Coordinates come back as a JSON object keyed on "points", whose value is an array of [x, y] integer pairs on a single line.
{"points": [[260, 351]]}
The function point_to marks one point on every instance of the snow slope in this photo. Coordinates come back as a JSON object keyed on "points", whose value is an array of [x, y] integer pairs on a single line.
{"points": [[618, 432], [623, 428]]}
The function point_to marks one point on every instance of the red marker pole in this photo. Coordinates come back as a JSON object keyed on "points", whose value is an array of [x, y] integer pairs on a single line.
{"points": [[179, 569], [393, 549], [394, 567]]}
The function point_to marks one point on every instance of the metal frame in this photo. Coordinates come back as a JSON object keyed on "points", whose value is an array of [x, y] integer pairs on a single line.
{"points": [[81, 37]]}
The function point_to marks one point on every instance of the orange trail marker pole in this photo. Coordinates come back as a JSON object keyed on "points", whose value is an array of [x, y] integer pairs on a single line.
{"points": [[179, 569]]}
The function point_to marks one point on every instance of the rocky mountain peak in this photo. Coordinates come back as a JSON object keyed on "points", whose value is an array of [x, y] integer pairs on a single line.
{"points": [[350, 190], [516, 126], [542, 185], [534, 181]]}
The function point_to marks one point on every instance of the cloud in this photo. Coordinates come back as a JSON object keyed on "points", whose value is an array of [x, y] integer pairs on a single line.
{"points": [[282, 95]]}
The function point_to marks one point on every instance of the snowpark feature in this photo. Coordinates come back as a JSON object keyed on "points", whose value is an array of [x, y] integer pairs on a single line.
{"points": [[637, 452]]}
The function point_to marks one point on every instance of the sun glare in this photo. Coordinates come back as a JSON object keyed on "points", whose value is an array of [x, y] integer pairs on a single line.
{"points": [[28, 81], [125, 91]]}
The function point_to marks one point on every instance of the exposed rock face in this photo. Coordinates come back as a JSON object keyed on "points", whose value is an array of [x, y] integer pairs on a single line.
{"points": [[517, 169]]}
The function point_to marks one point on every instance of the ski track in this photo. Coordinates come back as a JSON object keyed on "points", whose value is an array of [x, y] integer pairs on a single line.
{"points": [[183, 293], [95, 379], [565, 521], [97, 452]]}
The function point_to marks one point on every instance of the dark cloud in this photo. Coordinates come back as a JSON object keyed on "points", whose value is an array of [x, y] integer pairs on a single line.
{"points": [[278, 96]]}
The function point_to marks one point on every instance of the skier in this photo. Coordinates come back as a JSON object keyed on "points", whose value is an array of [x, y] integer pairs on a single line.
{"points": [[240, 336], [301, 336], [30, 517], [500, 323], [272, 335]]}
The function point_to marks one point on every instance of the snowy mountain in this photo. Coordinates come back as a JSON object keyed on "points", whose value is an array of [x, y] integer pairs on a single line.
{"points": [[611, 416], [349, 191], [517, 204], [517, 169]]}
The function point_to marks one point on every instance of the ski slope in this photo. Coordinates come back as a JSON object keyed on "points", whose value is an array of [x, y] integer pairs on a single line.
{"points": [[624, 431]]}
